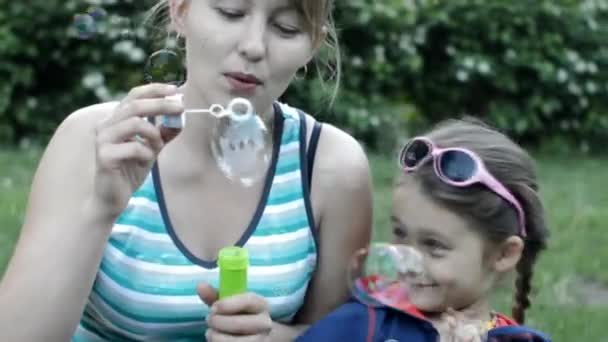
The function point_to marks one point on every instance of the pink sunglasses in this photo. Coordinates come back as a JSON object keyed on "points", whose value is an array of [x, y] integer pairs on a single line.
{"points": [[457, 167]]}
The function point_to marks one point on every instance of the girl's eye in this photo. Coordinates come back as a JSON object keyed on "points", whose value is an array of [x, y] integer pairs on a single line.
{"points": [[230, 13], [435, 248], [399, 233]]}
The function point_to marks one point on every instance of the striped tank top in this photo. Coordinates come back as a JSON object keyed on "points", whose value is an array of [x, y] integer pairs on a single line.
{"points": [[145, 289]]}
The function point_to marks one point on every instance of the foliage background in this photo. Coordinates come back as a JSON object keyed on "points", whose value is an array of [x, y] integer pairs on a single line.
{"points": [[534, 68]]}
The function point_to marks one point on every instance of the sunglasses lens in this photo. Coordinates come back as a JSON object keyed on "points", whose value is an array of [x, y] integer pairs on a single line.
{"points": [[414, 153], [457, 166]]}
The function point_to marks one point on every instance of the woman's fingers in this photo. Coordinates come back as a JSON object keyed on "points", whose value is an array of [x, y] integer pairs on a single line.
{"points": [[241, 317], [240, 324], [115, 135], [151, 90], [216, 336], [111, 156], [134, 138], [207, 293], [240, 304], [144, 108], [126, 130]]}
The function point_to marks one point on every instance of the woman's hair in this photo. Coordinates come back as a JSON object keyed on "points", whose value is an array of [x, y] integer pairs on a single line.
{"points": [[492, 216], [319, 22]]}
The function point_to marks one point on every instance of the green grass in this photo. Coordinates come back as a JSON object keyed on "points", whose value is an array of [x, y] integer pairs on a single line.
{"points": [[570, 300], [565, 303], [16, 170]]}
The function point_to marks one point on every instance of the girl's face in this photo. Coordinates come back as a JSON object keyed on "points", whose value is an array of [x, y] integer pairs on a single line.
{"points": [[241, 48], [453, 253]]}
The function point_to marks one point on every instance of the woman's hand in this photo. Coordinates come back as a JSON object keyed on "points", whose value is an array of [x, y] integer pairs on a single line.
{"points": [[241, 318], [127, 144]]}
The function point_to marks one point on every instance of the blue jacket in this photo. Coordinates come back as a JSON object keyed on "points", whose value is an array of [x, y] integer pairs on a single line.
{"points": [[355, 321]]}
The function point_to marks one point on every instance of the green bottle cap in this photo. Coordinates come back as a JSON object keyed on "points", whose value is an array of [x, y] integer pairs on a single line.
{"points": [[233, 258], [233, 263]]}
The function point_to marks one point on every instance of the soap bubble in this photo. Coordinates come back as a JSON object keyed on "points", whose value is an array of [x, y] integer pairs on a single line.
{"points": [[383, 273], [241, 143], [85, 26], [165, 66]]}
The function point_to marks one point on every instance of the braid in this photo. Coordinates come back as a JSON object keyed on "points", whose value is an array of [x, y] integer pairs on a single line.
{"points": [[534, 243], [523, 285], [535, 240]]}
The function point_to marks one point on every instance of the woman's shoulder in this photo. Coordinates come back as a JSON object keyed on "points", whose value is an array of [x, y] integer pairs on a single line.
{"points": [[78, 128], [340, 158], [74, 138], [89, 115], [333, 136], [66, 168]]}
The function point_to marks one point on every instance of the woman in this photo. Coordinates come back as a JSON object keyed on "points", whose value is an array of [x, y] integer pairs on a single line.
{"points": [[122, 234]]}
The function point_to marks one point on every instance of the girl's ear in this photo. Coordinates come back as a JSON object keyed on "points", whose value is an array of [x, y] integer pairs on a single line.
{"points": [[507, 254]]}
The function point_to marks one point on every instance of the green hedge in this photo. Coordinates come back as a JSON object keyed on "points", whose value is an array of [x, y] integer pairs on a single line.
{"points": [[538, 69], [48, 72], [535, 68]]}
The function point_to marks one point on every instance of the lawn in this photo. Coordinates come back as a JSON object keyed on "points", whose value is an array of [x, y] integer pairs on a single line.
{"points": [[570, 301]]}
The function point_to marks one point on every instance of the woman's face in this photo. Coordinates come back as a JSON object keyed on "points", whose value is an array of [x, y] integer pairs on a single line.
{"points": [[242, 48]]}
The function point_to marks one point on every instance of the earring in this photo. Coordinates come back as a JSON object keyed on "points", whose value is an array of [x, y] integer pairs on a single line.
{"points": [[299, 75], [180, 42], [175, 41]]}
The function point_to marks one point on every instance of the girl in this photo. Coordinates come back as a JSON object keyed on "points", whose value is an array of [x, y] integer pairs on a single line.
{"points": [[468, 200], [121, 235]]}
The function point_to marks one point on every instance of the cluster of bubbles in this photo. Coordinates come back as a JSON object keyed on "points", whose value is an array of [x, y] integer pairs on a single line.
{"points": [[87, 25], [96, 21], [240, 141]]}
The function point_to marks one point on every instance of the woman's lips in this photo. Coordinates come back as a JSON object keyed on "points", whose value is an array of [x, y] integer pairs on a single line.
{"points": [[242, 82]]}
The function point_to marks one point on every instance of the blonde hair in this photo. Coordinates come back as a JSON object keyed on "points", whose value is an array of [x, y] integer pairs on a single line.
{"points": [[319, 22]]}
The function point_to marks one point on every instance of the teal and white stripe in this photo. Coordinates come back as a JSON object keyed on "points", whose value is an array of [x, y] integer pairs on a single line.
{"points": [[145, 287]]}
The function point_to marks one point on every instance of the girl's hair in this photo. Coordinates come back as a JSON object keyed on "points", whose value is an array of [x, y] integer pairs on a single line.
{"points": [[489, 214], [319, 22]]}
